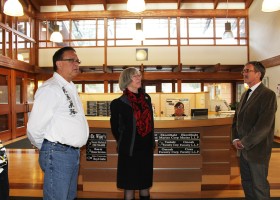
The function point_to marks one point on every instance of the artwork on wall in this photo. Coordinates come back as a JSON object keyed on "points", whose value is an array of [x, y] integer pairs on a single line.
{"points": [[265, 81], [278, 90], [142, 54]]}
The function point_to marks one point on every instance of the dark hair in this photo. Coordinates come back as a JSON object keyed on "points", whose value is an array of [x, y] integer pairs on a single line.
{"points": [[258, 66], [178, 104], [58, 55]]}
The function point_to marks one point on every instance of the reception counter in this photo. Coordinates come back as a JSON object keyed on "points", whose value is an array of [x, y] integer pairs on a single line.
{"points": [[190, 153]]}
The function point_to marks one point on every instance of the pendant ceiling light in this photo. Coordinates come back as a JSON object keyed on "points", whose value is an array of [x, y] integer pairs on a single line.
{"points": [[56, 35], [270, 5], [135, 5], [228, 33], [139, 34], [13, 8]]}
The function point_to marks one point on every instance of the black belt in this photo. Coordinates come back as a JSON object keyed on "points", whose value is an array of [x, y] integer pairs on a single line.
{"points": [[65, 145]]}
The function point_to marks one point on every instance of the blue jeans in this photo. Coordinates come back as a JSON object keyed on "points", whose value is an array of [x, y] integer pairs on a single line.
{"points": [[61, 166]]}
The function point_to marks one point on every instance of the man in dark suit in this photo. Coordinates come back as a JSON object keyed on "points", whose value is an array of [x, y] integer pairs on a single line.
{"points": [[253, 132]]}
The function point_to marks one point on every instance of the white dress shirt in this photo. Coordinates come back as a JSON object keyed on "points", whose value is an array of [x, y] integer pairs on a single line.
{"points": [[57, 114]]}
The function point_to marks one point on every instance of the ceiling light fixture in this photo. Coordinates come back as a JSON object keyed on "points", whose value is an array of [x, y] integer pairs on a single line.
{"points": [[135, 5], [13, 8], [270, 5], [228, 33], [56, 35], [139, 34]]}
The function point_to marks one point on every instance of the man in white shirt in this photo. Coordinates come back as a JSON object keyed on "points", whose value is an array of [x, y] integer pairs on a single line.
{"points": [[58, 128]]}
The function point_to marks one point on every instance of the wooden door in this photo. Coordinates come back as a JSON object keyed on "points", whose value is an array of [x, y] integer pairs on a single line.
{"points": [[5, 105], [22, 90]]}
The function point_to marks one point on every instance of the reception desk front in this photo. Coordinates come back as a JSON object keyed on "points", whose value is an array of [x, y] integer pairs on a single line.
{"points": [[190, 153]]}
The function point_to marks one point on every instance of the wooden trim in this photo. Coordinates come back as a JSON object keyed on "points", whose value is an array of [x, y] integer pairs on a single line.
{"points": [[205, 76], [148, 13], [271, 62]]}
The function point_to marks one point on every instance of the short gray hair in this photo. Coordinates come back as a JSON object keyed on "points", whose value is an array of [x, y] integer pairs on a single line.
{"points": [[125, 77]]}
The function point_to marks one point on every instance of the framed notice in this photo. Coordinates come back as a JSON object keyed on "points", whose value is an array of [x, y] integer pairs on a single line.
{"points": [[178, 143], [96, 147]]}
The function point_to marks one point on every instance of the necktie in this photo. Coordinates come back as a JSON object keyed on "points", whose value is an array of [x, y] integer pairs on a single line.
{"points": [[246, 97]]}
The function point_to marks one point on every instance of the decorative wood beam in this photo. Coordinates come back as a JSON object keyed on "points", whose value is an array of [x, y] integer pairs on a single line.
{"points": [[177, 68], [17, 32], [107, 69], [147, 13], [205, 76], [142, 68], [179, 4], [15, 64], [216, 2], [68, 4], [214, 68], [105, 5], [271, 62], [248, 3], [35, 4]]}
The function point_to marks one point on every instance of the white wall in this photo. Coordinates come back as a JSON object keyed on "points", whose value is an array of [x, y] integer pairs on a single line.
{"points": [[163, 55], [211, 55], [265, 43], [88, 56]]}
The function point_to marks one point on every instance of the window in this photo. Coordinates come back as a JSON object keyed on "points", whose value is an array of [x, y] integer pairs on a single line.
{"points": [[157, 31], [94, 88], [219, 91], [191, 87], [166, 87], [4, 97], [79, 87]]}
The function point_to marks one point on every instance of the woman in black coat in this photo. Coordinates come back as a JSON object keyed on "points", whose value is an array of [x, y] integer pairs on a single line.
{"points": [[132, 125]]}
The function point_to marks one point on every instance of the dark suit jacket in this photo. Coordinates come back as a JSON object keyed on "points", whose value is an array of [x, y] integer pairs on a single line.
{"points": [[123, 125], [254, 124]]}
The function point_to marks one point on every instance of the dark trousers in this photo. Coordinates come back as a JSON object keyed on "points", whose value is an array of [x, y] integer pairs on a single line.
{"points": [[254, 179], [4, 184]]}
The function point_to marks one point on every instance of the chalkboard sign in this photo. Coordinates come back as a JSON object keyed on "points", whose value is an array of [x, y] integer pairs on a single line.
{"points": [[178, 143], [96, 147]]}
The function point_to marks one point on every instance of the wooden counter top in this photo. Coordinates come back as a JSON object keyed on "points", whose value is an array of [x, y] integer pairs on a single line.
{"points": [[171, 122]]}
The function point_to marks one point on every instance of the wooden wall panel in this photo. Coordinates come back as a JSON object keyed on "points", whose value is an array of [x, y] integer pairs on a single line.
{"points": [[177, 161], [211, 131], [177, 175], [212, 166], [222, 155], [216, 143], [216, 169], [99, 175]]}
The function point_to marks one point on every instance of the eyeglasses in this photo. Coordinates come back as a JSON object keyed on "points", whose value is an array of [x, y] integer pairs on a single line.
{"points": [[136, 76], [71, 60], [247, 71], [179, 107]]}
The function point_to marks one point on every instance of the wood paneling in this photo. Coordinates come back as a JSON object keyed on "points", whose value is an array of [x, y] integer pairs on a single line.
{"points": [[26, 179], [177, 175], [177, 161]]}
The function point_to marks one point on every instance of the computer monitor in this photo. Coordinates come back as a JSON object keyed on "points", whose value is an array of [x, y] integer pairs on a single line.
{"points": [[199, 112]]}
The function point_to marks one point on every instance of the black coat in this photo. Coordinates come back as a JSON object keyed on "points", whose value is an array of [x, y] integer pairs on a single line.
{"points": [[123, 124]]}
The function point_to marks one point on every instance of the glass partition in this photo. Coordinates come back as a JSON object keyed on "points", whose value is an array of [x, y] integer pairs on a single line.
{"points": [[30, 90], [4, 122], [4, 96], [19, 84]]}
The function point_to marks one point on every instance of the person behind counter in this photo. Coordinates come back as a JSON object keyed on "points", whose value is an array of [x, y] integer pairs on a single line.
{"points": [[253, 132], [179, 110], [58, 127], [133, 128]]}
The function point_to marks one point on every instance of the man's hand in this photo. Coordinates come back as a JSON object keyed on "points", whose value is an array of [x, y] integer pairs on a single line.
{"points": [[237, 144]]}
